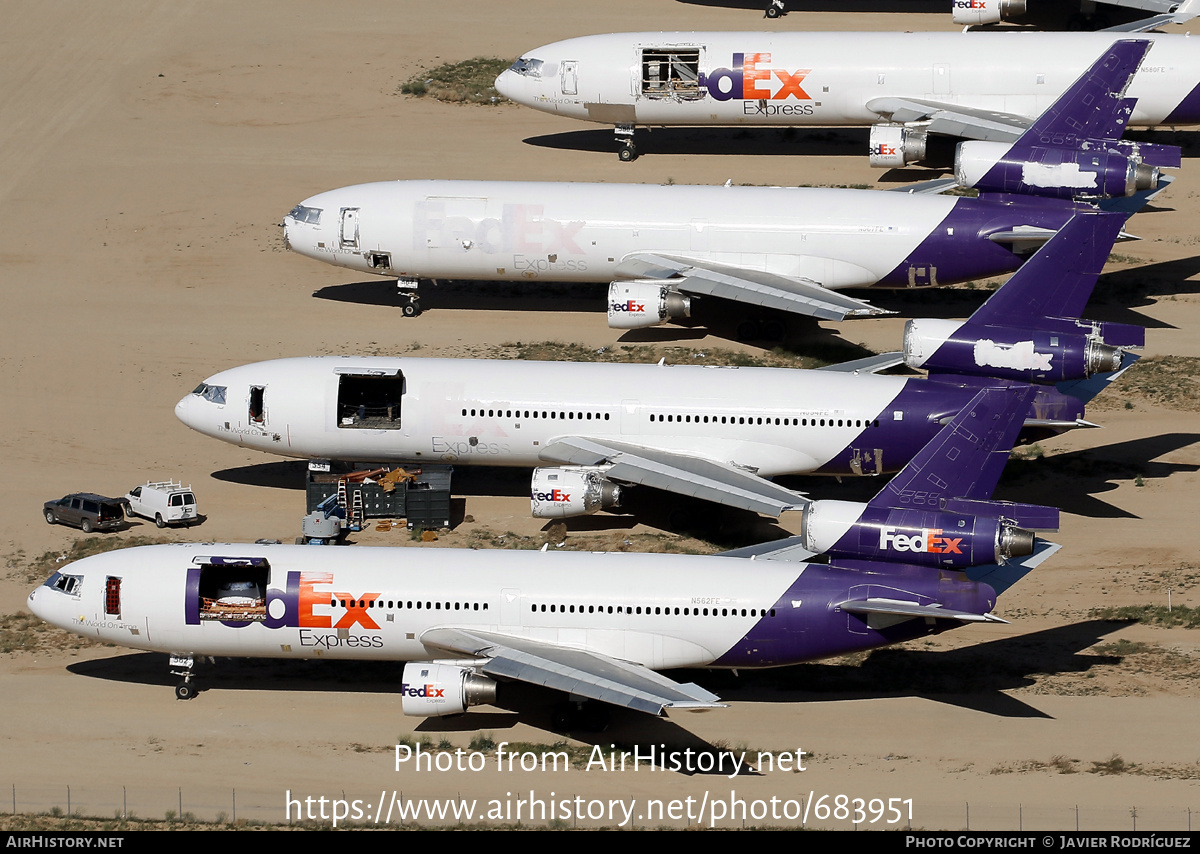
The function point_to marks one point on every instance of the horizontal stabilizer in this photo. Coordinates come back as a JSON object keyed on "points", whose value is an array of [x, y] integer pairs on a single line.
{"points": [[952, 119], [574, 671], [896, 608], [789, 548], [869, 365], [1035, 516], [926, 188], [1000, 577]]}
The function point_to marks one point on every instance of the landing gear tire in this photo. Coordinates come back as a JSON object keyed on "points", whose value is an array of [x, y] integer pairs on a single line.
{"points": [[159, 521], [772, 11], [628, 153], [412, 308], [773, 330], [184, 691], [748, 330]]}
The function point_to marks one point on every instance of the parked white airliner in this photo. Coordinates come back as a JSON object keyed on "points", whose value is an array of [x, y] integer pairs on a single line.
{"points": [[974, 85], [787, 248]]}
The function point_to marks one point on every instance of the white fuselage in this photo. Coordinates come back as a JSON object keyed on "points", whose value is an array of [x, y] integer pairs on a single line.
{"points": [[833, 79], [512, 231], [769, 420], [376, 603]]}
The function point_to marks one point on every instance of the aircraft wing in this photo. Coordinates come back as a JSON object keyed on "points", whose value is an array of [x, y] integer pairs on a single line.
{"points": [[721, 483], [575, 671], [869, 365], [1169, 12], [757, 287], [952, 119]]}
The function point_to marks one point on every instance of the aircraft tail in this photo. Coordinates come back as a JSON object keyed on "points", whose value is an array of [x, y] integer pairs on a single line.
{"points": [[1031, 329]]}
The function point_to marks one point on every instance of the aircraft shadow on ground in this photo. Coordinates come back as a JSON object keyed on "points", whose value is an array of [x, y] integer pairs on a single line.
{"points": [[972, 677], [528, 704], [778, 142], [283, 474], [1069, 481], [909, 7], [710, 317]]}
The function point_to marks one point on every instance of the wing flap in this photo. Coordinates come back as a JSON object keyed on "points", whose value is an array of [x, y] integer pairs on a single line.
{"points": [[952, 119], [677, 473], [754, 287], [575, 671]]}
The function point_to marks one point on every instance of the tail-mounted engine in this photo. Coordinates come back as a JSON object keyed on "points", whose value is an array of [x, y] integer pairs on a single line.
{"points": [[640, 303], [571, 491], [1096, 169], [1065, 350], [432, 690], [929, 537], [894, 146]]}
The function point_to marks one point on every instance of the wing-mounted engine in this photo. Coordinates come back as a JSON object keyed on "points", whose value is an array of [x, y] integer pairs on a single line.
{"points": [[565, 491], [1053, 351], [432, 690], [928, 537], [974, 13], [1088, 170], [894, 146], [640, 303]]}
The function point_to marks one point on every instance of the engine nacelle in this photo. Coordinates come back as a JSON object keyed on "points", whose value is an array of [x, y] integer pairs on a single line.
{"points": [[1092, 171], [641, 303], [431, 690], [928, 537], [893, 146], [973, 13], [1001, 352], [571, 491]]}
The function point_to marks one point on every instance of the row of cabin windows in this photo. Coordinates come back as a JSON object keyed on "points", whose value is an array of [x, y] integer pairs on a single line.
{"points": [[676, 419], [785, 422], [410, 605], [560, 416], [658, 610]]}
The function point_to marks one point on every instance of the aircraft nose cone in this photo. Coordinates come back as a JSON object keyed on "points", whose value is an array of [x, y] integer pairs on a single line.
{"points": [[183, 411], [506, 85]]}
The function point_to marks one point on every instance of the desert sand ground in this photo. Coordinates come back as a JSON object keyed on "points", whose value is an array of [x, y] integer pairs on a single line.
{"points": [[148, 151]]}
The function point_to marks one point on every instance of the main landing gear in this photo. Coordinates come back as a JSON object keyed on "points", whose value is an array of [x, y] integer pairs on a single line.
{"points": [[186, 689], [775, 8], [407, 289], [628, 151]]}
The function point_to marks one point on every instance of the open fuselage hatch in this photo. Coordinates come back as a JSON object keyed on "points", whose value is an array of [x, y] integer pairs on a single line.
{"points": [[370, 400]]}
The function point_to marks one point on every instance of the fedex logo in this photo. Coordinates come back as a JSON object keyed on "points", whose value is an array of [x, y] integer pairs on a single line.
{"points": [[554, 495], [926, 541], [462, 225], [752, 79], [429, 691], [883, 150], [298, 605], [631, 306], [970, 4]]}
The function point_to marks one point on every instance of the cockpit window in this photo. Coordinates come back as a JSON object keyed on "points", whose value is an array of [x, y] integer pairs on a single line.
{"points": [[302, 214], [64, 583], [211, 393], [527, 67]]}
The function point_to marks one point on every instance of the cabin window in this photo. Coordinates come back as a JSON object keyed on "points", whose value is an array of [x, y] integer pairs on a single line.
{"points": [[671, 73], [370, 401]]}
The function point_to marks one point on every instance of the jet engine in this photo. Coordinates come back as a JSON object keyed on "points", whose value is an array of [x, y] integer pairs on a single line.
{"points": [[1092, 171], [973, 13], [571, 491], [929, 537], [1028, 355], [893, 146], [432, 690], [641, 303]]}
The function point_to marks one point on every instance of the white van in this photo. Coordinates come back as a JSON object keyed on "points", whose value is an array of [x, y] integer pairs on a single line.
{"points": [[167, 502]]}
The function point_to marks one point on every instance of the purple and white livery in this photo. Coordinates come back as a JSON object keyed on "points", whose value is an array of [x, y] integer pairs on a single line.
{"points": [[931, 552]]}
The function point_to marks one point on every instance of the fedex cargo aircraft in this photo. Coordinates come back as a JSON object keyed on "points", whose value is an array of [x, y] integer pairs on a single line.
{"points": [[930, 552], [904, 86]]}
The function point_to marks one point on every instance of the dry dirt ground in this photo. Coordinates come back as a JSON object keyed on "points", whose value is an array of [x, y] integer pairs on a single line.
{"points": [[149, 150]]}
